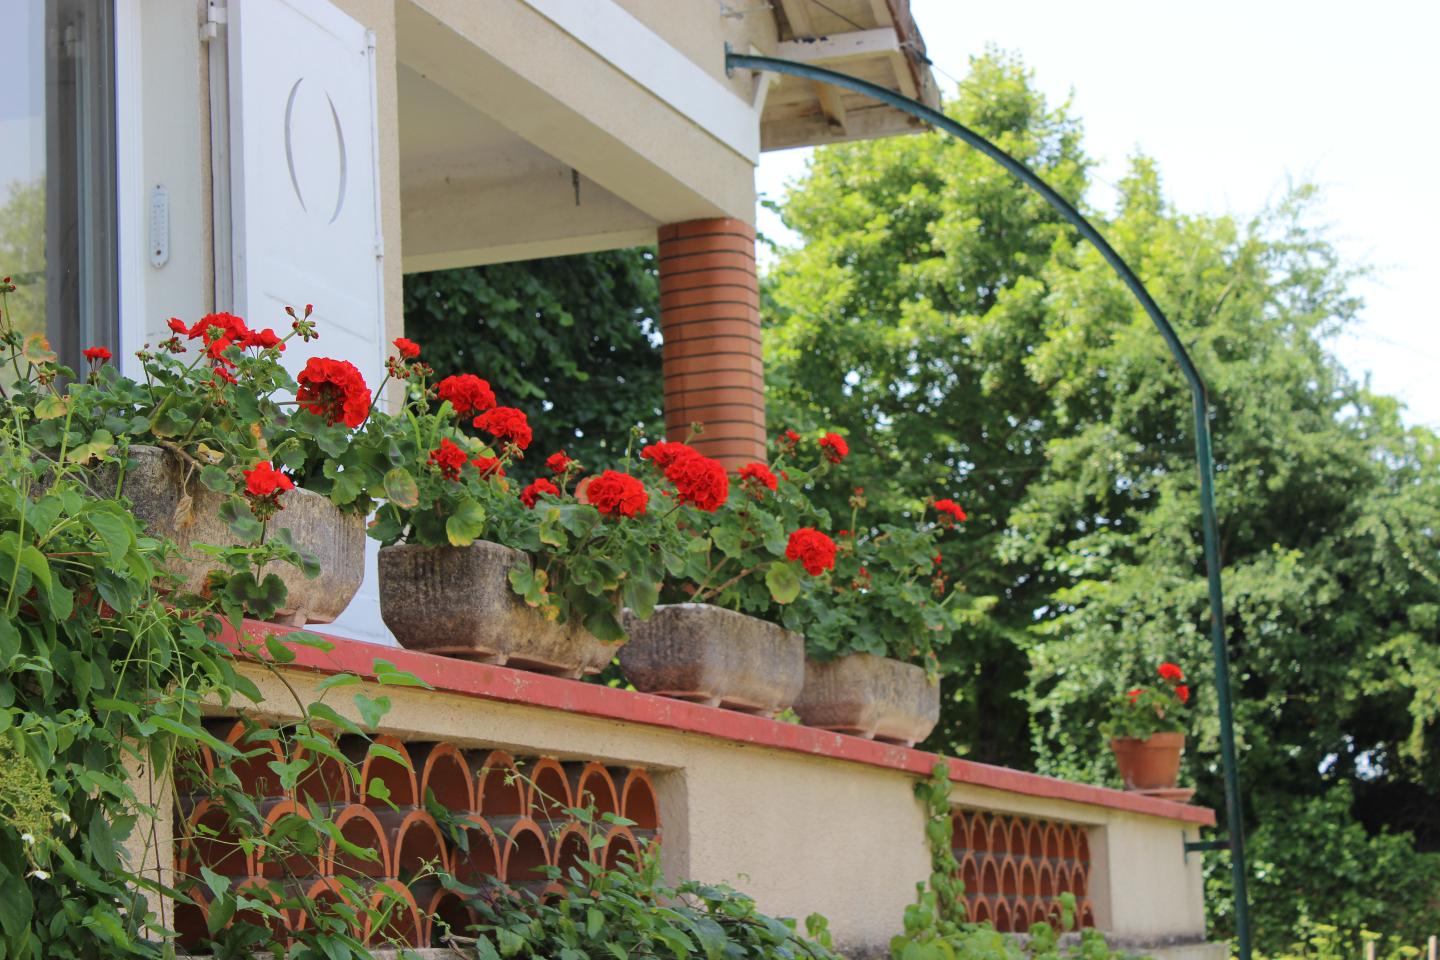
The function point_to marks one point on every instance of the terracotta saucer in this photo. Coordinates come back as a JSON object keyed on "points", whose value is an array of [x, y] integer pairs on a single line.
{"points": [[1174, 794]]}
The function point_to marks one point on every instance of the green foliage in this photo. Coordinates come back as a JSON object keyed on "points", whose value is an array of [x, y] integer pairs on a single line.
{"points": [[626, 911], [1313, 863], [577, 335], [941, 316]]}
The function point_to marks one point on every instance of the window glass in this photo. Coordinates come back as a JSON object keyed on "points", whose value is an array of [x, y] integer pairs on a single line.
{"points": [[57, 171]]}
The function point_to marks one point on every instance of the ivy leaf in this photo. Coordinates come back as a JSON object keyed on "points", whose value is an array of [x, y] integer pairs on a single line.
{"points": [[783, 581], [372, 709], [400, 488]]}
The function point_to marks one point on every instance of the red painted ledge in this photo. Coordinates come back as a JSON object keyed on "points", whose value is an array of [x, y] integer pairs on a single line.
{"points": [[532, 689]]}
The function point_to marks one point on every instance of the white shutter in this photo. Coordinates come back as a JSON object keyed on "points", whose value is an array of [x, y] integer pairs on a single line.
{"points": [[304, 201]]}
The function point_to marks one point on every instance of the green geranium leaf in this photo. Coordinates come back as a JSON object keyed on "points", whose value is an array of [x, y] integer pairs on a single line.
{"points": [[401, 489], [783, 581]]}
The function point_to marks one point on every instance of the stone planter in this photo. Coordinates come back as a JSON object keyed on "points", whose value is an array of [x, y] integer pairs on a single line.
{"points": [[1152, 764], [457, 601], [872, 697], [154, 483], [693, 651]]}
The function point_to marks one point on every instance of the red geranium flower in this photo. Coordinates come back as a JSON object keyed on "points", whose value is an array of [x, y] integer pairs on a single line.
{"points": [[664, 454], [213, 326], [950, 512], [613, 492], [757, 475], [558, 462], [216, 349], [489, 466], [835, 447], [530, 494], [788, 440], [94, 354], [466, 393], [333, 389], [223, 374], [938, 559], [177, 325], [264, 481], [449, 458], [1183, 692], [408, 349], [1169, 671], [700, 481], [506, 423], [814, 550], [262, 339], [1135, 694]]}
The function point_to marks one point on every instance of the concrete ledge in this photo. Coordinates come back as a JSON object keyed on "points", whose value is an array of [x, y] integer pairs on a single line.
{"points": [[515, 686]]}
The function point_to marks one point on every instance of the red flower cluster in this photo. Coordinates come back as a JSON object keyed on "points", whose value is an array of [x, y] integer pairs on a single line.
{"points": [[664, 454], [558, 462], [835, 447], [756, 475], [221, 331], [788, 440], [264, 481], [408, 349], [96, 354], [466, 393], [814, 550], [1169, 671], [449, 457], [489, 466], [335, 390], [950, 512], [531, 494], [613, 492], [700, 481], [506, 423], [1183, 692]]}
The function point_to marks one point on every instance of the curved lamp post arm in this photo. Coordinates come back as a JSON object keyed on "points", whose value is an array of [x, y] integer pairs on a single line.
{"points": [[1204, 456]]}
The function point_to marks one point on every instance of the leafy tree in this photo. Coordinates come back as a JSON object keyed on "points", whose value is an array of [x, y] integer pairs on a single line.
{"points": [[986, 353], [577, 335]]}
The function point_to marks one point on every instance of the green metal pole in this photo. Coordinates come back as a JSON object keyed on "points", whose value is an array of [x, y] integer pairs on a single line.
{"points": [[1204, 457]]}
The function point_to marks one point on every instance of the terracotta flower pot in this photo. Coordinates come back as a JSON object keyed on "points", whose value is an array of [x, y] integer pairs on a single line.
{"points": [[154, 483], [872, 697], [457, 601], [1149, 764], [693, 651]]}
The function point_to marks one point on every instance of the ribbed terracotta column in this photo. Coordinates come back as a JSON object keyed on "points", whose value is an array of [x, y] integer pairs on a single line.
{"points": [[710, 318]]}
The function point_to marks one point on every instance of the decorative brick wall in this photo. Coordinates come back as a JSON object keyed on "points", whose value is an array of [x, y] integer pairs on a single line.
{"points": [[710, 318], [513, 808], [1015, 868]]}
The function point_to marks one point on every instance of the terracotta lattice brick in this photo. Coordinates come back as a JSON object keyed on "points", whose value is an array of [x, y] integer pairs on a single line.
{"points": [[1015, 868]]}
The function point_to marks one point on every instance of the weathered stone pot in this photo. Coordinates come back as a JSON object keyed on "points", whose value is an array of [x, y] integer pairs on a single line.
{"points": [[872, 697], [1149, 764], [457, 601], [154, 483], [693, 651]]}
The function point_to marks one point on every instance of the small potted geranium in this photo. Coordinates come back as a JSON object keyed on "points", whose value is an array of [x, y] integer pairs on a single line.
{"points": [[1146, 731], [873, 634], [718, 638], [473, 564], [211, 454]]}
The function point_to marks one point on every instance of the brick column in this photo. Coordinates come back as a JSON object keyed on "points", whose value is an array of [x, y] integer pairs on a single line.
{"points": [[710, 318]]}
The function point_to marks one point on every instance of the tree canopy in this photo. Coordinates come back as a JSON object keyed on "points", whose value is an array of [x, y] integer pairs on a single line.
{"points": [[985, 352]]}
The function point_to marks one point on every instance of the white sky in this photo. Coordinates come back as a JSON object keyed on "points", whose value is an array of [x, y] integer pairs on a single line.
{"points": [[1234, 99]]}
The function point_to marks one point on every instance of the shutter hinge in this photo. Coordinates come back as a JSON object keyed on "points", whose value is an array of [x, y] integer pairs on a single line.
{"points": [[215, 16]]}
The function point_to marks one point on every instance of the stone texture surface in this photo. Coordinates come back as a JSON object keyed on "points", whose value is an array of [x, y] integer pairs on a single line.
{"points": [[155, 483], [868, 696], [693, 651], [457, 601]]}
